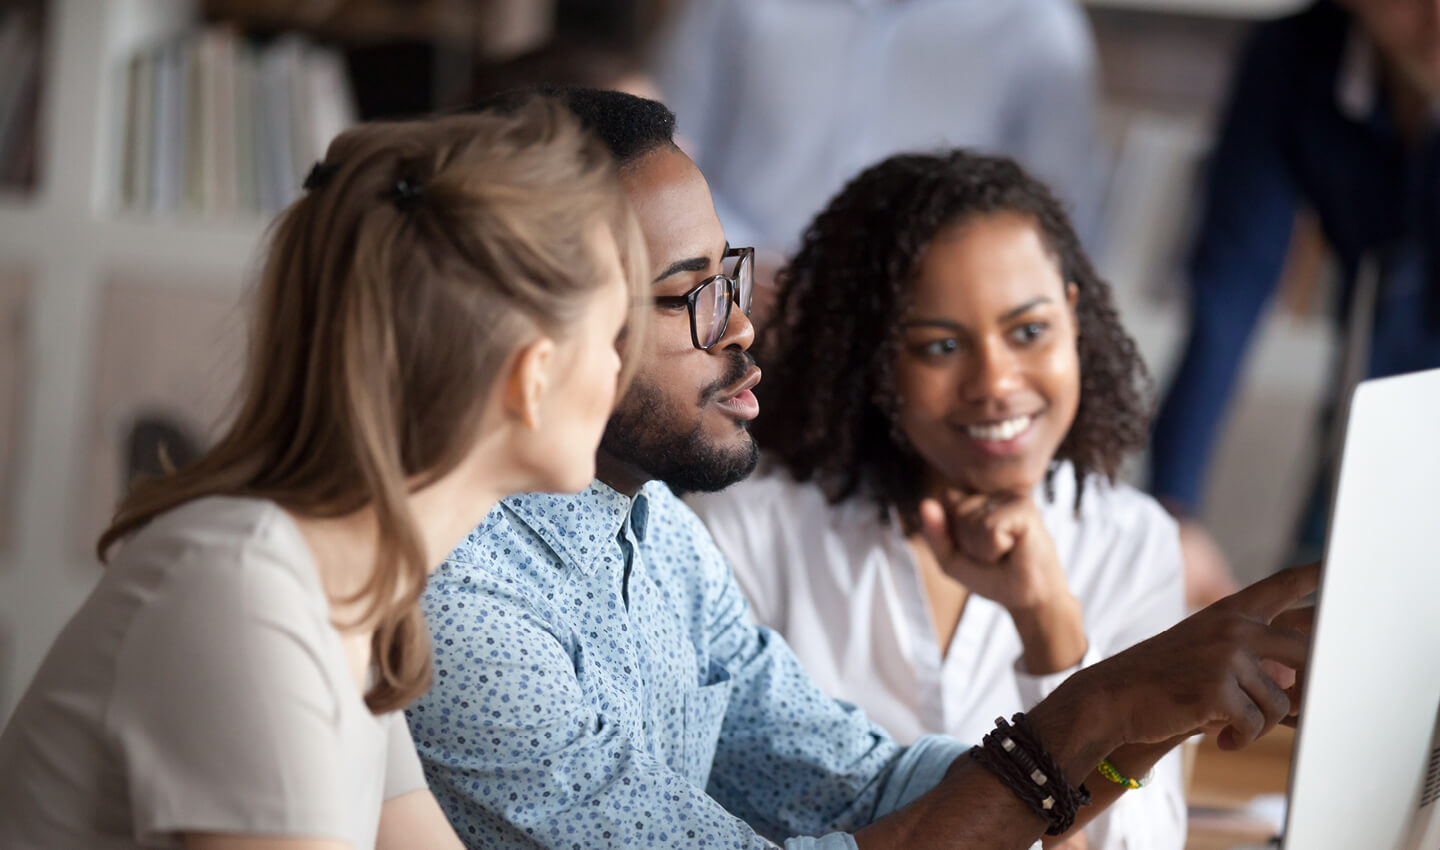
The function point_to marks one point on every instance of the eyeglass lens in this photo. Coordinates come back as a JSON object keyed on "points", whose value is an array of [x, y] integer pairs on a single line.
{"points": [[712, 309], [712, 303]]}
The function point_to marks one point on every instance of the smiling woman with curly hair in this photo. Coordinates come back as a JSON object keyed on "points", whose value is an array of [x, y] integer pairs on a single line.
{"points": [[936, 526]]}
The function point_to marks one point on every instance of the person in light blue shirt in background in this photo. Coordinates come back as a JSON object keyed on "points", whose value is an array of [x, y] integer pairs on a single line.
{"points": [[785, 100], [600, 683]]}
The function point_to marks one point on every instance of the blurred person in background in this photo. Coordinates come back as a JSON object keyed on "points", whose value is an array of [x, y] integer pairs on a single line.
{"points": [[784, 100], [935, 526], [436, 328], [1334, 109]]}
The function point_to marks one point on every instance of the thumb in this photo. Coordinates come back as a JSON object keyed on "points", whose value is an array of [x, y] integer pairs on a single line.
{"points": [[935, 526]]}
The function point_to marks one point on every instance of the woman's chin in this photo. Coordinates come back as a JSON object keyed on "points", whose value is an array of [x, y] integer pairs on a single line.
{"points": [[1016, 479]]}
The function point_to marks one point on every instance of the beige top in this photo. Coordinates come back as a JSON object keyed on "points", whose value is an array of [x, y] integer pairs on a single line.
{"points": [[200, 688]]}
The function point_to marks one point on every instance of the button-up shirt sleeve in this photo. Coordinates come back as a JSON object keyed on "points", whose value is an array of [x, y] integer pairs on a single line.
{"points": [[790, 759]]}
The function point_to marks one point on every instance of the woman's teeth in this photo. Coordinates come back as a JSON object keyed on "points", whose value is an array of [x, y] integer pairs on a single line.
{"points": [[1000, 432]]}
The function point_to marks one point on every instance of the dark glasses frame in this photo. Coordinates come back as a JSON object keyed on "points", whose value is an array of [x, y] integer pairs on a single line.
{"points": [[734, 294]]}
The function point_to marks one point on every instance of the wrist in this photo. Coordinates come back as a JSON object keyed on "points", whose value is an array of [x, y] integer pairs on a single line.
{"points": [[1138, 759], [1078, 727], [1052, 635]]}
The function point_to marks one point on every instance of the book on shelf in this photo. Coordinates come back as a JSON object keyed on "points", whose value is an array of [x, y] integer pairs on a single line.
{"points": [[275, 162], [167, 150], [218, 190], [192, 111], [139, 130], [20, 77], [218, 126], [247, 195]]}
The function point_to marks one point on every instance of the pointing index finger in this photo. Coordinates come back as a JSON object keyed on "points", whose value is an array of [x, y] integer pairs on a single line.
{"points": [[1268, 597]]}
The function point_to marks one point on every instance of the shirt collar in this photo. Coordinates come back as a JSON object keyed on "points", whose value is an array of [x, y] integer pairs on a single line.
{"points": [[580, 528], [640, 514]]}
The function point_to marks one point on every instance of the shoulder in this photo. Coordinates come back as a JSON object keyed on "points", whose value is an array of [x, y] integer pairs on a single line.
{"points": [[757, 518], [1116, 523], [531, 527], [672, 524], [1054, 35], [770, 496], [225, 596], [1129, 511], [513, 558], [229, 555]]}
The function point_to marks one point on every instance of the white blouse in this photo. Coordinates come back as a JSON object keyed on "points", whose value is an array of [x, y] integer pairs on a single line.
{"points": [[844, 589]]}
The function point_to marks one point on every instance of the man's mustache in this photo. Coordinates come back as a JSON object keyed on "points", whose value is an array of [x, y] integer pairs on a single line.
{"points": [[740, 364]]}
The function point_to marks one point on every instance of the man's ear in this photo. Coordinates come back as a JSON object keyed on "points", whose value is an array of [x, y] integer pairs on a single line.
{"points": [[528, 381]]}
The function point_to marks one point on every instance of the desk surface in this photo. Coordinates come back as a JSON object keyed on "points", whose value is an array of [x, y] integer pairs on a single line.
{"points": [[1230, 780]]}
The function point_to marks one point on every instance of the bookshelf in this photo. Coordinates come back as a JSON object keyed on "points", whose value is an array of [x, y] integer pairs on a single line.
{"points": [[65, 249]]}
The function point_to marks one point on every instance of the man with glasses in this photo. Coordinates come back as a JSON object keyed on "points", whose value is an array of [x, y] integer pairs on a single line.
{"points": [[598, 680]]}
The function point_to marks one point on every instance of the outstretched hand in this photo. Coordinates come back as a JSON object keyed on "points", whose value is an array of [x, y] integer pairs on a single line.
{"points": [[1231, 668]]}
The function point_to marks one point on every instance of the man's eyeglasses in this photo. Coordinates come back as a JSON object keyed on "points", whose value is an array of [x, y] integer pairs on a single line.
{"points": [[710, 302]]}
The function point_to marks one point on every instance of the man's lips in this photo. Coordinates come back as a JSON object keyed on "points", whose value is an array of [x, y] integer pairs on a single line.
{"points": [[738, 400]]}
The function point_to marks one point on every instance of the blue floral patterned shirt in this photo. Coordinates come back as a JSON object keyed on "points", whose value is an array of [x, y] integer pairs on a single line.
{"points": [[599, 683]]}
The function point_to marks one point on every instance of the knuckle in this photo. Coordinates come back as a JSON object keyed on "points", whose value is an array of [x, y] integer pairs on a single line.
{"points": [[1236, 657], [1237, 630]]}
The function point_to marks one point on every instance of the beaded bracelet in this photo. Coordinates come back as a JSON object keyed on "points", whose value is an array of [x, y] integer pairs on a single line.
{"points": [[1108, 770], [1016, 756], [1026, 734]]}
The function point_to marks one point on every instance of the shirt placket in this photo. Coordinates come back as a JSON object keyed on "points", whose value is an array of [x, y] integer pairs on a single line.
{"points": [[664, 655]]}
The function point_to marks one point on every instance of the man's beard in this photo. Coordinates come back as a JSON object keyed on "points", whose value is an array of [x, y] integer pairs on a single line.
{"points": [[645, 433]]}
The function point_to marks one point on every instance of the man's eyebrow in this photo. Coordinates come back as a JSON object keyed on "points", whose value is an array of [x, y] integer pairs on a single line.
{"points": [[693, 264]]}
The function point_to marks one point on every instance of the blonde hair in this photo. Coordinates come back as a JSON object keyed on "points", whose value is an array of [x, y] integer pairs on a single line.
{"points": [[393, 295]]}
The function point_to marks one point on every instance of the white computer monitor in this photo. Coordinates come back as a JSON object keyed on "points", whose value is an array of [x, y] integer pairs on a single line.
{"points": [[1364, 773]]}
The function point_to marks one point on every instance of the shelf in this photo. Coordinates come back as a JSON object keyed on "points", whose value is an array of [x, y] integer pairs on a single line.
{"points": [[28, 231], [488, 27], [1244, 9]]}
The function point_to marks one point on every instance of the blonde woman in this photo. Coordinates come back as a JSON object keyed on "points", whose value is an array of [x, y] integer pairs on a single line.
{"points": [[437, 328]]}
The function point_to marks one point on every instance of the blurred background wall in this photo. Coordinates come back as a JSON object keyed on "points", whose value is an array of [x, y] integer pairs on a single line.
{"points": [[144, 145]]}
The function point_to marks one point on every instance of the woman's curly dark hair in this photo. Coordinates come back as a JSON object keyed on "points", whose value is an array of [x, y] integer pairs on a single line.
{"points": [[829, 396]]}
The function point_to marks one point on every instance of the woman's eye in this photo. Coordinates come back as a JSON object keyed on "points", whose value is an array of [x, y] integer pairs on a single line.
{"points": [[1030, 331], [939, 347]]}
